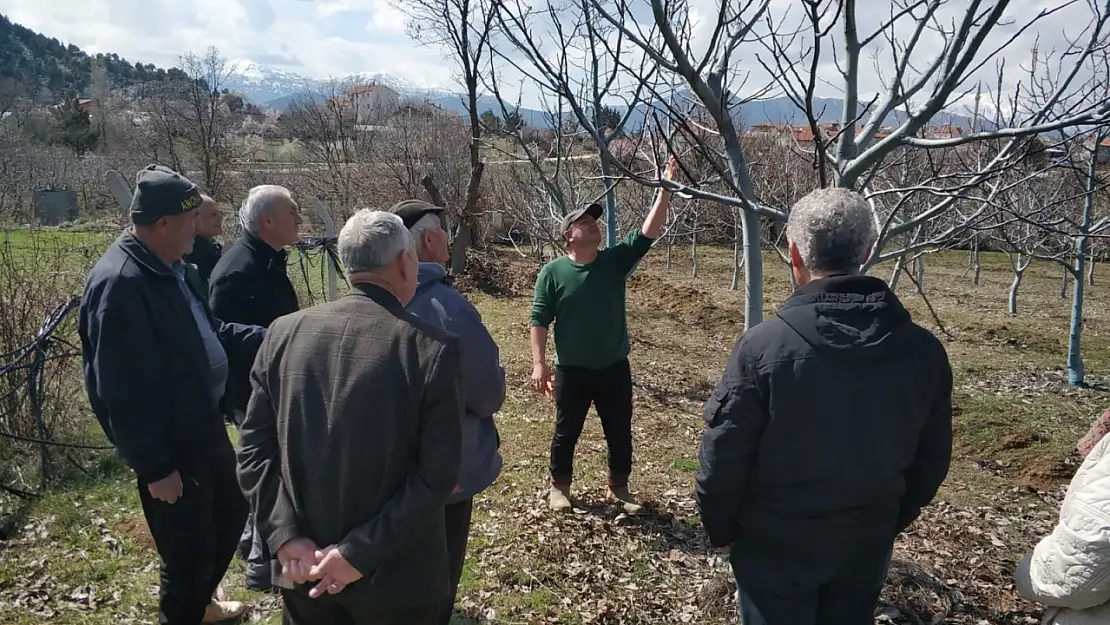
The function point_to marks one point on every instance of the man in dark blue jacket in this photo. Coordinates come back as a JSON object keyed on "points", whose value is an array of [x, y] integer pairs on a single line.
{"points": [[829, 431], [484, 378], [156, 371]]}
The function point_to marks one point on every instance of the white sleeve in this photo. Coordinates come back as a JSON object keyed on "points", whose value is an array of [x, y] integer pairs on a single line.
{"points": [[1070, 568]]}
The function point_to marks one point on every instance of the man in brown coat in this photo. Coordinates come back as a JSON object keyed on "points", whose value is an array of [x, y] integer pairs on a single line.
{"points": [[351, 442]]}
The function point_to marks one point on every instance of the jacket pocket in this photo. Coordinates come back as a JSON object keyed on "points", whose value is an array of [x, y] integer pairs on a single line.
{"points": [[717, 400]]}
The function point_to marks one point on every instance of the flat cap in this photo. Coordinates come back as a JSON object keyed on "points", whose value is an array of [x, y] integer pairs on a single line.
{"points": [[410, 211]]}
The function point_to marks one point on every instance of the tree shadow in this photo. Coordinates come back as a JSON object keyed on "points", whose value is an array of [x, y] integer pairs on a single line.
{"points": [[662, 528], [674, 396]]}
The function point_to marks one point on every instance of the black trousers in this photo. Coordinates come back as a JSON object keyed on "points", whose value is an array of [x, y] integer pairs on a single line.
{"points": [[195, 536], [781, 589], [300, 609], [610, 391], [457, 518]]}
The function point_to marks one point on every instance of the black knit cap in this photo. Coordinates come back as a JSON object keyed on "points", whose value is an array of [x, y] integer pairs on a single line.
{"points": [[162, 192]]}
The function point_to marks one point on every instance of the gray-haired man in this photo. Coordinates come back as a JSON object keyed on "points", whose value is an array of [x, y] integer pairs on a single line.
{"points": [[351, 443], [436, 301], [829, 431], [250, 285]]}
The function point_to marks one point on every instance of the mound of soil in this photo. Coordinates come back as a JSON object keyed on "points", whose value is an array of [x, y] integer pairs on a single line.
{"points": [[1019, 440], [497, 273], [137, 530], [1048, 475], [686, 304]]}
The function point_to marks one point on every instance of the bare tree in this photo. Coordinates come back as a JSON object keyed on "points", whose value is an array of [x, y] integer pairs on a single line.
{"points": [[424, 140], [162, 121], [206, 120], [463, 28], [869, 136], [323, 125], [581, 68]]}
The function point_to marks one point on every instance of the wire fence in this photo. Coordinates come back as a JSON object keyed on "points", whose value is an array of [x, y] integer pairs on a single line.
{"points": [[24, 373]]}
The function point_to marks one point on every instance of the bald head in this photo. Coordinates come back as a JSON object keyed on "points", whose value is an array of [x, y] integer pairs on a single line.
{"points": [[210, 221]]}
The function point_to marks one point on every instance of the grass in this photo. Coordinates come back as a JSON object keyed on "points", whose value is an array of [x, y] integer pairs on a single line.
{"points": [[1016, 425]]}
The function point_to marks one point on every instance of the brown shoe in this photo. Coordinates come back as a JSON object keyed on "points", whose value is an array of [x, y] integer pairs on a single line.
{"points": [[559, 498], [223, 611], [623, 495]]}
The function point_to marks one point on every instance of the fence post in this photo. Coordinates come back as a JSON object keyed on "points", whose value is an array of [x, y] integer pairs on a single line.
{"points": [[34, 393], [330, 233]]}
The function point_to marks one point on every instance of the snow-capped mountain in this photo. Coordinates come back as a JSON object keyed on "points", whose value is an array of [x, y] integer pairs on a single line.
{"points": [[275, 88], [260, 83]]}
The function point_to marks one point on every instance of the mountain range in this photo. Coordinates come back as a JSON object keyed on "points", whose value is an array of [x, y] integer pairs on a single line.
{"points": [[274, 88], [33, 62]]}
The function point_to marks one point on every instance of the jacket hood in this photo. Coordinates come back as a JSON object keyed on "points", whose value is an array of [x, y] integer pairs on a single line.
{"points": [[430, 272], [855, 317]]}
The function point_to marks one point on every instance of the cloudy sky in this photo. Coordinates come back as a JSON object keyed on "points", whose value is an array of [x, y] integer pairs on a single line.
{"points": [[318, 38], [334, 38]]}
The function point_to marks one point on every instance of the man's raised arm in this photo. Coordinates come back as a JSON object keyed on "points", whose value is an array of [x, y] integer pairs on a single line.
{"points": [[653, 225]]}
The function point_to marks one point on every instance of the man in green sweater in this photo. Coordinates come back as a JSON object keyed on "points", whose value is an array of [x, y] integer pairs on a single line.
{"points": [[584, 294]]}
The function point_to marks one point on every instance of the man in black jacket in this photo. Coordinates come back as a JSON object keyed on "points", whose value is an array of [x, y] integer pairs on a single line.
{"points": [[156, 364], [206, 250], [250, 285], [827, 434]]}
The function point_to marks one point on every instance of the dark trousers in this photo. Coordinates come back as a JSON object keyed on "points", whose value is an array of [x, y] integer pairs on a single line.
{"points": [[610, 391], [778, 590], [195, 536], [300, 609], [252, 548], [457, 519]]}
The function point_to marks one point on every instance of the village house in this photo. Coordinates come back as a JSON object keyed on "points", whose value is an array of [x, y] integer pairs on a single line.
{"points": [[372, 103]]}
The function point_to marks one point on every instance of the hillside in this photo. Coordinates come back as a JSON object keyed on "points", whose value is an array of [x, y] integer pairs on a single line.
{"points": [[34, 62]]}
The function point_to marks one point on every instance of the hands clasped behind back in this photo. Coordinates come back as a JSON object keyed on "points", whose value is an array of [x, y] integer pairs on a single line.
{"points": [[302, 561]]}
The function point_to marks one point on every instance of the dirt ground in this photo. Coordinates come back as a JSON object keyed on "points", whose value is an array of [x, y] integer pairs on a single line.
{"points": [[1016, 425]]}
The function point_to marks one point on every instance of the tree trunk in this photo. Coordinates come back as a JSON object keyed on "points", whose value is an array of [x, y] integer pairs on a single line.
{"points": [[694, 254], [753, 270], [1091, 269], [1011, 302], [670, 245], [1075, 356], [919, 271], [610, 202], [975, 266], [737, 249], [897, 273], [1064, 283]]}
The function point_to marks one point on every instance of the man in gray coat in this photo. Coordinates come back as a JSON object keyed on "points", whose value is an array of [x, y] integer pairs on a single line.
{"points": [[484, 378], [351, 442]]}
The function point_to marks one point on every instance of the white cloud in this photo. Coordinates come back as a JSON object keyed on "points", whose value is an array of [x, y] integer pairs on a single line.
{"points": [[316, 33]]}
